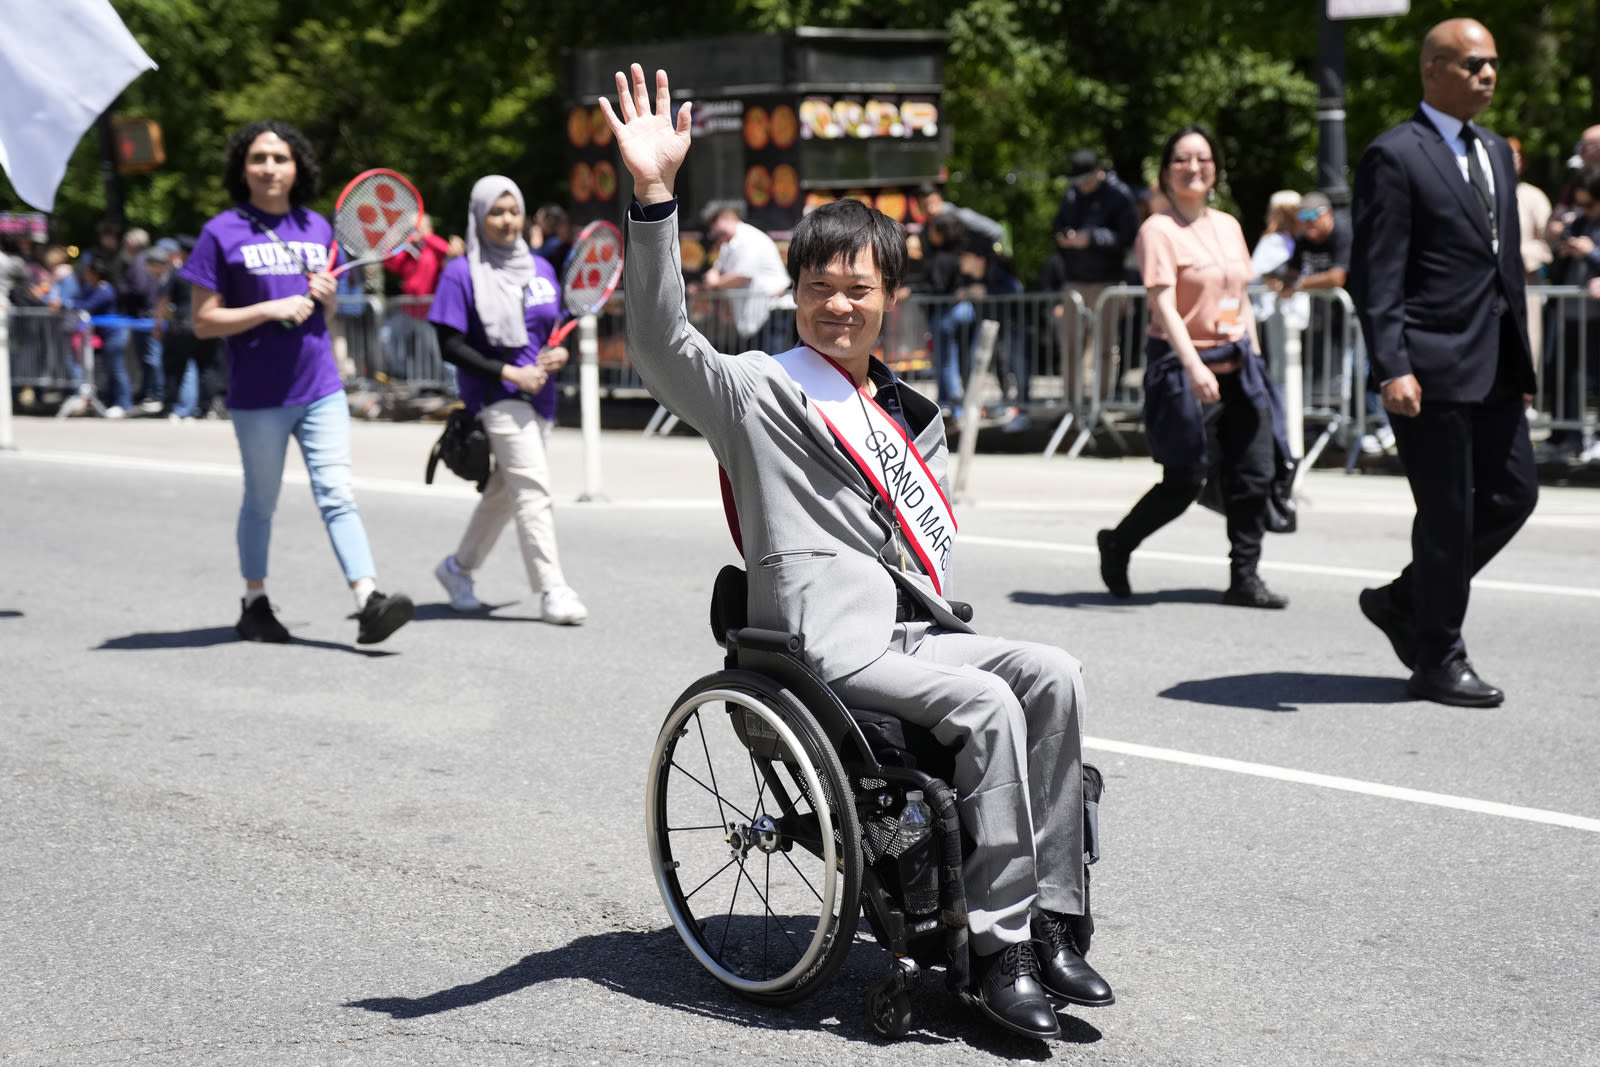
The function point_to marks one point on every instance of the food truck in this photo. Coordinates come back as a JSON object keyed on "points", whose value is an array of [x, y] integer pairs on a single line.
{"points": [[781, 122]]}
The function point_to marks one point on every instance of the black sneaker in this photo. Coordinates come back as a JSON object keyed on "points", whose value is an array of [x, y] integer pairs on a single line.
{"points": [[1250, 591], [258, 623], [1113, 564], [382, 616]]}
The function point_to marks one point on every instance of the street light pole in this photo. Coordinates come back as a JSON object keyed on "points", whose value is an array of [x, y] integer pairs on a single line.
{"points": [[1332, 160]]}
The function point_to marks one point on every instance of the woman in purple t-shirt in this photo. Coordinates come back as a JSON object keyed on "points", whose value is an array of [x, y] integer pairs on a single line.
{"points": [[493, 311], [260, 277]]}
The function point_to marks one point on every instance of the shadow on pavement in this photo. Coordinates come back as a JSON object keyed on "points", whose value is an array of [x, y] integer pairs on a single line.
{"points": [[217, 635], [1286, 690], [654, 967], [1103, 599], [442, 610], [9, 614]]}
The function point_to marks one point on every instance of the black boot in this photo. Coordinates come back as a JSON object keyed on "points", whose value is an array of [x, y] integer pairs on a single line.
{"points": [[1009, 992], [1113, 564], [1249, 591], [1064, 973]]}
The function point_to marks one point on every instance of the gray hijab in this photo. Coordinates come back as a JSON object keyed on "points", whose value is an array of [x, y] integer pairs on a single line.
{"points": [[500, 273]]}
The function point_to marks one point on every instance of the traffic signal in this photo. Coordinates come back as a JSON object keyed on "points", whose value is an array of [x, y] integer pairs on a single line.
{"points": [[138, 145]]}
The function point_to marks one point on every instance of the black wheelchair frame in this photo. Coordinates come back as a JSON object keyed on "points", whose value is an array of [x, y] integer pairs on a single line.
{"points": [[827, 779]]}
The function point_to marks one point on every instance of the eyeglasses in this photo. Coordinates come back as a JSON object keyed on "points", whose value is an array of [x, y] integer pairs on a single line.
{"points": [[1184, 161], [1473, 64], [1309, 213]]}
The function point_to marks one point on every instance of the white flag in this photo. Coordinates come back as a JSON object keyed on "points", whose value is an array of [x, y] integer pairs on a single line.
{"points": [[62, 63]]}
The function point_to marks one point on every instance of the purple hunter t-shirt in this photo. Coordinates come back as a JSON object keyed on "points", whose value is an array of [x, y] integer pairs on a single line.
{"points": [[271, 366], [541, 310]]}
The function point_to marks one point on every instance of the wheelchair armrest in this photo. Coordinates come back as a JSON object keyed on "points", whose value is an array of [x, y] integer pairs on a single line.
{"points": [[961, 609], [775, 641]]}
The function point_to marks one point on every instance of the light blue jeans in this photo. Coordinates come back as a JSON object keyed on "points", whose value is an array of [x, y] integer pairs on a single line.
{"points": [[322, 429]]}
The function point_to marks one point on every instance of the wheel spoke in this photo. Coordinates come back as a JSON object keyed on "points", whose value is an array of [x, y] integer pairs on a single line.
{"points": [[711, 769], [803, 878], [721, 801], [681, 829], [708, 881], [732, 903], [745, 875]]}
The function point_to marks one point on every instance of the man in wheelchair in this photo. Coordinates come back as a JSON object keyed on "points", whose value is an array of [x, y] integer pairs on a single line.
{"points": [[834, 472]]}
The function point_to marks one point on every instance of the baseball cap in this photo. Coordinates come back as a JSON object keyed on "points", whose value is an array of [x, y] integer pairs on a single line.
{"points": [[1082, 165], [166, 246]]}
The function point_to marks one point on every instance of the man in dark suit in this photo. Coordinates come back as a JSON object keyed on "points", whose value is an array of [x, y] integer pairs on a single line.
{"points": [[1437, 280]]}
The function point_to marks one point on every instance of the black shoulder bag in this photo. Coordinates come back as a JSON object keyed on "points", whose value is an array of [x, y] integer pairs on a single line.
{"points": [[464, 448]]}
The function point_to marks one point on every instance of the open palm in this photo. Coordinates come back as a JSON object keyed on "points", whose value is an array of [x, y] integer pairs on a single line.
{"points": [[652, 146]]}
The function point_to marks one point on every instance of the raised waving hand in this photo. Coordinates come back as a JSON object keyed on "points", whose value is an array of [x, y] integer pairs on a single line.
{"points": [[652, 146]]}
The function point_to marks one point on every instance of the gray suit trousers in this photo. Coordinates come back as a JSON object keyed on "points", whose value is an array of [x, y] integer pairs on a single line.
{"points": [[1013, 711]]}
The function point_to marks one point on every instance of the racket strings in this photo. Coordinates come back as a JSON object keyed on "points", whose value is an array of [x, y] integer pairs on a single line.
{"points": [[591, 272], [375, 217]]}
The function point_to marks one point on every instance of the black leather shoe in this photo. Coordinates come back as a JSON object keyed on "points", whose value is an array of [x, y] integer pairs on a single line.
{"points": [[1010, 993], [1379, 608], [1249, 591], [1113, 564], [1454, 683], [1063, 971], [382, 616]]}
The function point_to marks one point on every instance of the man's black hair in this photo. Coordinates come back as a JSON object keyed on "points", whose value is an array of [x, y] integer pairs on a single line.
{"points": [[839, 230], [307, 174], [1171, 147], [950, 230], [928, 189], [1589, 182]]}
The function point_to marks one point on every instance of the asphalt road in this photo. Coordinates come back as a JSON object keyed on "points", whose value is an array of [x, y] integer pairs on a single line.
{"points": [[432, 851]]}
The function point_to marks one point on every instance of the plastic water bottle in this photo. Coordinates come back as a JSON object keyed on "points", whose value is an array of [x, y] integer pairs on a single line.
{"points": [[919, 873]]}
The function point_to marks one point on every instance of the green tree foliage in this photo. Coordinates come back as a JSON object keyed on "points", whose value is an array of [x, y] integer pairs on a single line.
{"points": [[448, 90]]}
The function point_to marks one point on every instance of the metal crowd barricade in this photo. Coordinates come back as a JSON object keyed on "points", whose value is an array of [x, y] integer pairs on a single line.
{"points": [[42, 348], [1569, 330], [1319, 364]]}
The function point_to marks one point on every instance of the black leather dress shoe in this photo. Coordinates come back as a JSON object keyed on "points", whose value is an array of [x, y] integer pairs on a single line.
{"points": [[1250, 591], [1379, 608], [1113, 564], [1063, 971], [1454, 683], [1011, 995]]}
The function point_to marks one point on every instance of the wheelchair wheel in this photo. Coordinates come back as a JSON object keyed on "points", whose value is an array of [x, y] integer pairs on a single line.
{"points": [[754, 837]]}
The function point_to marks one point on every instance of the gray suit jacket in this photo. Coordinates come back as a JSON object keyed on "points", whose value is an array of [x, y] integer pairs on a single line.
{"points": [[819, 547]]}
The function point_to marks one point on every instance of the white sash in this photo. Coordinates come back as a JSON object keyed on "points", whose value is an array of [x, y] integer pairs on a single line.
{"points": [[880, 449]]}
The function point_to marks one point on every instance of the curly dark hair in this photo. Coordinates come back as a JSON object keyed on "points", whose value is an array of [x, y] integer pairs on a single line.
{"points": [[307, 174]]}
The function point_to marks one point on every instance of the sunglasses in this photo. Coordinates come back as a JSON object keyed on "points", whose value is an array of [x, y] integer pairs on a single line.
{"points": [[1473, 64], [1309, 214]]}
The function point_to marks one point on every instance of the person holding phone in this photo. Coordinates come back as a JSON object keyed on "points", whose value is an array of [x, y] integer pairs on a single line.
{"points": [[494, 310], [1208, 399], [259, 278]]}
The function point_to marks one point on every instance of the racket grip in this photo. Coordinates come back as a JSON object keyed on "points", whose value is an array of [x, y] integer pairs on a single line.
{"points": [[559, 334]]}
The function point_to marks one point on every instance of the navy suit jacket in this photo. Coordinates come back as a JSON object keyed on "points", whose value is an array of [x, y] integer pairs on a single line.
{"points": [[1428, 286]]}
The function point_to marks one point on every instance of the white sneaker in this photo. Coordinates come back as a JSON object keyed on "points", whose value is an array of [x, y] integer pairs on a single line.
{"points": [[562, 607], [458, 584], [1385, 436], [1370, 445], [150, 407], [115, 412], [1591, 454]]}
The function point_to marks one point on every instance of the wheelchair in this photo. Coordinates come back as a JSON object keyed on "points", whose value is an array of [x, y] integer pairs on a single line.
{"points": [[773, 818]]}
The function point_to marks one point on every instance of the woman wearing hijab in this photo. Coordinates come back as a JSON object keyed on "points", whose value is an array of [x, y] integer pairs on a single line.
{"points": [[493, 311]]}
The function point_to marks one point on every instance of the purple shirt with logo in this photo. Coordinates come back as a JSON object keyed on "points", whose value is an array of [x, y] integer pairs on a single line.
{"points": [[541, 310], [271, 366]]}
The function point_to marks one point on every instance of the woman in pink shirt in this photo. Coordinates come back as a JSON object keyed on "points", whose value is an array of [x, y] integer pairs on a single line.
{"points": [[1208, 399]]}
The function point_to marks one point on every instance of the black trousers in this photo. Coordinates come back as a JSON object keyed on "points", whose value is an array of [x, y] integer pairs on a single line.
{"points": [[1240, 437], [179, 347], [1473, 479]]}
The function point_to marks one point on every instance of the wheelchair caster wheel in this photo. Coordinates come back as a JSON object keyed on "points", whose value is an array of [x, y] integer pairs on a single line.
{"points": [[890, 1012]]}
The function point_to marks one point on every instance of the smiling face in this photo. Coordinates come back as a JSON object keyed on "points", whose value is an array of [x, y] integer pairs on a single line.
{"points": [[1191, 170], [839, 311], [503, 223], [1459, 68], [269, 171]]}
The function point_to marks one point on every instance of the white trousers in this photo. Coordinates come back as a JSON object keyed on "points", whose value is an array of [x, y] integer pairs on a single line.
{"points": [[518, 489]]}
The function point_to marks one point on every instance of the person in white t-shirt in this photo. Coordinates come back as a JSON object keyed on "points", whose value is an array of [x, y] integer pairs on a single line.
{"points": [[751, 268]]}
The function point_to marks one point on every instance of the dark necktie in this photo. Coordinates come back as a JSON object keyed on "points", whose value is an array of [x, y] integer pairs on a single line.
{"points": [[1479, 180]]}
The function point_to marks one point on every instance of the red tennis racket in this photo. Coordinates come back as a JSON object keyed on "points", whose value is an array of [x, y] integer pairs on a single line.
{"points": [[590, 275], [378, 213]]}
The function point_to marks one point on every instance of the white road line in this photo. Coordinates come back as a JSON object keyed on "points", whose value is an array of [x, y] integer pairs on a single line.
{"points": [[1296, 568], [1349, 785], [447, 490]]}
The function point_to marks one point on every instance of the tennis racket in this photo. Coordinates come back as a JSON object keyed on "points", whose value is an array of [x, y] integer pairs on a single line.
{"points": [[378, 213], [589, 277]]}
